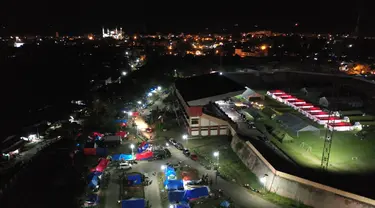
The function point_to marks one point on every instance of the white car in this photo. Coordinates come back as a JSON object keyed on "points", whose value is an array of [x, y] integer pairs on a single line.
{"points": [[125, 166]]}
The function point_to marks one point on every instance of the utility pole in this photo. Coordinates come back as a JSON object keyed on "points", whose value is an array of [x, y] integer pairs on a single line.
{"points": [[328, 135]]}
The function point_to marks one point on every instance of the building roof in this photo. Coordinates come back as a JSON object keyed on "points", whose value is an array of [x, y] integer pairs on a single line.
{"points": [[208, 85], [295, 123]]}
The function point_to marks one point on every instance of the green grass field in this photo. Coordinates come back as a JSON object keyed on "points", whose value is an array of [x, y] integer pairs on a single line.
{"points": [[205, 147], [348, 152]]}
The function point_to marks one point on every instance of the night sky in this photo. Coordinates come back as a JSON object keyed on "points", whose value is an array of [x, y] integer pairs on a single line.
{"points": [[79, 17]]}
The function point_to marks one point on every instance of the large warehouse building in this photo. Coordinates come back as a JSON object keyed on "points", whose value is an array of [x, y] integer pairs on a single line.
{"points": [[195, 93]]}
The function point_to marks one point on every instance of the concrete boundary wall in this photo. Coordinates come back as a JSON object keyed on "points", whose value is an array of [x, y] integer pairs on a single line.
{"points": [[294, 187]]}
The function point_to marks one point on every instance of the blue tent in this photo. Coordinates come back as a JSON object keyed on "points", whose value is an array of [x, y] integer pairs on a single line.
{"points": [[92, 174], [176, 196], [174, 184], [133, 203], [196, 193], [119, 157], [169, 171], [121, 121], [94, 182], [135, 179], [143, 148], [182, 206], [224, 204]]}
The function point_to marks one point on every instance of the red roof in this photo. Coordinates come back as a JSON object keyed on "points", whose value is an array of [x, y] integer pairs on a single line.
{"points": [[285, 96], [280, 95], [330, 118], [296, 101], [303, 104], [313, 108], [318, 113], [340, 124]]}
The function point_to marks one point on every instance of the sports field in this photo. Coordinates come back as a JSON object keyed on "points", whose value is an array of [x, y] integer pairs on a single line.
{"points": [[349, 153]]}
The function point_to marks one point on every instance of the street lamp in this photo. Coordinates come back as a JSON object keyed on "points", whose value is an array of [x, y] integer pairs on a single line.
{"points": [[163, 167], [124, 73], [216, 154], [263, 180], [132, 147], [149, 94], [139, 102], [159, 88], [185, 137]]}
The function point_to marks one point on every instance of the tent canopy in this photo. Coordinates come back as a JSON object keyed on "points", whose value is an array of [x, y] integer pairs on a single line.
{"points": [[136, 179], [119, 157], [295, 123], [196, 193], [144, 155], [133, 203], [174, 184], [169, 171], [176, 196]]}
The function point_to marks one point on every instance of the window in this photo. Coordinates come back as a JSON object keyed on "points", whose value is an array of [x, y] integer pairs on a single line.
{"points": [[194, 121]]}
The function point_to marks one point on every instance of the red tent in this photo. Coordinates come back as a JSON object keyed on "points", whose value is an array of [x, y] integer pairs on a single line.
{"points": [[102, 165], [135, 114], [144, 155], [122, 134]]}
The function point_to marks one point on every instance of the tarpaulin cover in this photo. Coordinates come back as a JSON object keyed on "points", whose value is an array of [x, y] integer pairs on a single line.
{"points": [[135, 114], [120, 157], [101, 151], [135, 179], [89, 151], [144, 155], [169, 171], [174, 184], [143, 146], [196, 193], [182, 206], [121, 134], [92, 174], [133, 203], [102, 165], [176, 196], [224, 204], [94, 182], [121, 121], [93, 198]]}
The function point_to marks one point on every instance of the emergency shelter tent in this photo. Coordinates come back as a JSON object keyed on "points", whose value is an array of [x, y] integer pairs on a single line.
{"points": [[144, 155], [196, 193], [176, 196], [134, 179], [121, 157], [133, 203], [174, 185]]}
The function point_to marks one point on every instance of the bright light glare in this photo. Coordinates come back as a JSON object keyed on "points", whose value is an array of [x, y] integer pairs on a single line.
{"points": [[184, 136], [132, 146], [171, 206], [149, 94], [221, 73], [163, 167], [139, 102], [166, 144], [159, 88], [263, 180], [124, 73], [130, 113], [216, 154]]}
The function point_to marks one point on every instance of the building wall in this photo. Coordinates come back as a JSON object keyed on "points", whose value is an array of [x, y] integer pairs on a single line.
{"points": [[299, 189]]}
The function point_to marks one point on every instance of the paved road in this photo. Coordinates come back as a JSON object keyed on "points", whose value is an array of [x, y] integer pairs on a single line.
{"points": [[239, 195]]}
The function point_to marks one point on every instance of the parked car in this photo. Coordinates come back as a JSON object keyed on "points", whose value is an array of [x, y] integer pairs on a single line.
{"points": [[125, 166], [167, 153], [172, 141], [194, 157], [179, 146], [186, 152], [158, 157]]}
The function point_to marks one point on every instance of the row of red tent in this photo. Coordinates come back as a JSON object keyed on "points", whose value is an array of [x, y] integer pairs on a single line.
{"points": [[309, 107]]}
